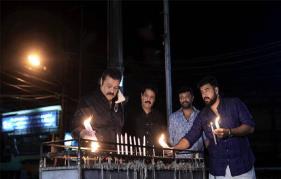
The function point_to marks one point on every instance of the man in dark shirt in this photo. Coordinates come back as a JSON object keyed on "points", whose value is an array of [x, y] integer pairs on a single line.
{"points": [[147, 121], [104, 107], [229, 150]]}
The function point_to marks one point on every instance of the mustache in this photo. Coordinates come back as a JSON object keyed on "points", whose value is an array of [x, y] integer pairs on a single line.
{"points": [[147, 102]]}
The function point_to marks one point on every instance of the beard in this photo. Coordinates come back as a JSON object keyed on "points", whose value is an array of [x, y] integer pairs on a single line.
{"points": [[186, 105], [212, 100]]}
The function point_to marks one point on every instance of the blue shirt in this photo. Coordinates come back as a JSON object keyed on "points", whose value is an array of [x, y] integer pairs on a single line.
{"points": [[232, 151], [179, 126]]}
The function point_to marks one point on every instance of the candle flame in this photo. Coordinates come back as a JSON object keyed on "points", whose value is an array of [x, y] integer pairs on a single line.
{"points": [[217, 122], [94, 146], [87, 121], [162, 141]]}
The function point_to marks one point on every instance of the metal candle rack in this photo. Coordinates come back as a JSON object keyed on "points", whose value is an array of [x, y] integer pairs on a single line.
{"points": [[127, 153]]}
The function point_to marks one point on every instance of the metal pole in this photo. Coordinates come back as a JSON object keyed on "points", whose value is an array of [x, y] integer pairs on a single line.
{"points": [[80, 52], [115, 35], [167, 58]]}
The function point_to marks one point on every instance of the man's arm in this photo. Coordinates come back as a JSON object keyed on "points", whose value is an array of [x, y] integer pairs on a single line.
{"points": [[192, 136], [81, 113], [246, 120], [240, 131], [182, 145]]}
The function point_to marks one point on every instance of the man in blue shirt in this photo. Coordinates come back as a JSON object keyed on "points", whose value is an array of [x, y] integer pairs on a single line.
{"points": [[230, 155], [181, 121]]}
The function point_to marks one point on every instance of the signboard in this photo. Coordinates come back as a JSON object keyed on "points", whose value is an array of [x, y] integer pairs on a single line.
{"points": [[39, 120]]}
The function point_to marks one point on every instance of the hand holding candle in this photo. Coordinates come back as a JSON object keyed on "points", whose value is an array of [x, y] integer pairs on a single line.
{"points": [[87, 124], [213, 132], [218, 131], [222, 132], [90, 134], [217, 127], [217, 122]]}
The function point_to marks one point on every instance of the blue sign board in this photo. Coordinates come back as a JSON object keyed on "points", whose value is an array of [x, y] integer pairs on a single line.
{"points": [[44, 119]]}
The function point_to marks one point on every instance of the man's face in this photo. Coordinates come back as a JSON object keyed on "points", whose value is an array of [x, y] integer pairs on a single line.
{"points": [[148, 98], [209, 94], [186, 100], [109, 87]]}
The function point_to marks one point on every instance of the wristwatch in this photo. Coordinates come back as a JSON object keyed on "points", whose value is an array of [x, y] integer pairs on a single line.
{"points": [[230, 133]]}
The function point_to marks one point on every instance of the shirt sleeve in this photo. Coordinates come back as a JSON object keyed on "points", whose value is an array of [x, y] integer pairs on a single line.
{"points": [[196, 130], [244, 115]]}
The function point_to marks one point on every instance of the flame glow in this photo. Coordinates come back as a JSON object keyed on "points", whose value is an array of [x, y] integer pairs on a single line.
{"points": [[94, 146], [87, 124], [162, 141], [217, 122]]}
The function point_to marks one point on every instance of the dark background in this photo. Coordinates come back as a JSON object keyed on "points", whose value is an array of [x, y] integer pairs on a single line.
{"points": [[238, 42]]}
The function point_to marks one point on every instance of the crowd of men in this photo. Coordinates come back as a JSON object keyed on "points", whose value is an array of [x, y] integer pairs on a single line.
{"points": [[230, 155]]}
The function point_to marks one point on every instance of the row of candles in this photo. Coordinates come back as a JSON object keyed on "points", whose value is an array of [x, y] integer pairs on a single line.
{"points": [[125, 145]]}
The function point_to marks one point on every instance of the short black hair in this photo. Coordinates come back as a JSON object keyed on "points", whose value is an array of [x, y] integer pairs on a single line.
{"points": [[208, 80], [150, 87], [113, 73], [185, 89]]}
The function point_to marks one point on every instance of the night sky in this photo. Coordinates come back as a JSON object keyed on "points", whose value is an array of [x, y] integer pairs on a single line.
{"points": [[238, 42]]}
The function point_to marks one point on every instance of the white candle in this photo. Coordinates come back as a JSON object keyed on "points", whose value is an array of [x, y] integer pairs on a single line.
{"points": [[117, 141], [126, 146], [213, 133], [131, 147], [139, 144], [122, 147], [144, 149], [135, 143]]}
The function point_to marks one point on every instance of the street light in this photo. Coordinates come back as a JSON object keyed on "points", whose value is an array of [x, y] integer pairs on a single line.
{"points": [[34, 61]]}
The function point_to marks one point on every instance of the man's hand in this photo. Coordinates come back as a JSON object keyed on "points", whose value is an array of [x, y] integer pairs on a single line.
{"points": [[221, 132], [88, 134]]}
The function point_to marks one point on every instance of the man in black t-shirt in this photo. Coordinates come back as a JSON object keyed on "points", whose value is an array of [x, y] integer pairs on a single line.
{"points": [[147, 121]]}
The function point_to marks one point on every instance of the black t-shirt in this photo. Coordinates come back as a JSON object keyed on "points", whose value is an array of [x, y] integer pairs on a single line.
{"points": [[151, 125], [107, 120]]}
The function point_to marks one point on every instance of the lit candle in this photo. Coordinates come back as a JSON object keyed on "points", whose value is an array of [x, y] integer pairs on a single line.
{"points": [[139, 144], [94, 146], [162, 141], [213, 133], [122, 147], [144, 149], [117, 141], [87, 124], [126, 146], [131, 147], [217, 122]]}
